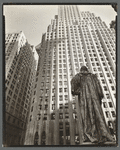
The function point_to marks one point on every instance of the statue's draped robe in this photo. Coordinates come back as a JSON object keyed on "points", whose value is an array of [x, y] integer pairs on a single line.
{"points": [[89, 91]]}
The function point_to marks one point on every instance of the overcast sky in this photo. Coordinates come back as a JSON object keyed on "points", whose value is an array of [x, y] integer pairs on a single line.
{"points": [[34, 19]]}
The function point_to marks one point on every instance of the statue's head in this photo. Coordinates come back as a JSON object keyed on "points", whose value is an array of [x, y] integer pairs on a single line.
{"points": [[84, 69]]}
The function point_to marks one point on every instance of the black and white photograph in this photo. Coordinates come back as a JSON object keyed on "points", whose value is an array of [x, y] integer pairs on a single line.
{"points": [[60, 75]]}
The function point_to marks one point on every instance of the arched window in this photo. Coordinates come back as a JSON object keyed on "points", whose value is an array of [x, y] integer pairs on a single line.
{"points": [[36, 138], [43, 138]]}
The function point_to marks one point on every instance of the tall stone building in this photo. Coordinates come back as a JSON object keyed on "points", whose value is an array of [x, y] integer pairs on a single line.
{"points": [[20, 72], [72, 39]]}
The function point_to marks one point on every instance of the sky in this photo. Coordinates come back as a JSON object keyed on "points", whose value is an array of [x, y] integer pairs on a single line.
{"points": [[33, 20]]}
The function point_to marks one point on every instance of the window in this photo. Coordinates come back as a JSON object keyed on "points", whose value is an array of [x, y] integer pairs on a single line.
{"points": [[12, 87], [45, 117], [30, 118], [101, 75], [113, 88], [53, 98], [35, 85], [60, 70], [66, 105], [46, 98], [66, 97], [65, 70], [61, 141], [15, 76], [65, 89], [11, 71], [97, 64], [11, 109], [16, 91], [103, 81], [10, 92], [46, 107], [61, 125], [20, 94], [106, 69], [41, 91], [104, 104], [7, 82], [110, 104], [60, 90], [108, 75], [47, 91], [40, 98], [110, 80], [74, 106], [38, 117], [9, 76], [60, 76], [13, 81], [60, 116], [53, 106], [8, 98], [67, 128], [74, 115], [105, 88], [77, 141], [34, 92], [113, 113], [53, 116], [60, 82], [13, 102], [18, 85], [107, 114], [25, 106], [61, 106], [66, 115], [31, 108], [65, 76], [39, 106], [108, 96], [65, 82], [60, 97], [60, 65]]}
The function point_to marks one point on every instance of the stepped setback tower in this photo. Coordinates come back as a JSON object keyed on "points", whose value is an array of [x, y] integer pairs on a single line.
{"points": [[73, 39]]}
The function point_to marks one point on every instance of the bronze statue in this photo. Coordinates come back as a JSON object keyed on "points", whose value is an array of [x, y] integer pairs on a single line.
{"points": [[89, 91]]}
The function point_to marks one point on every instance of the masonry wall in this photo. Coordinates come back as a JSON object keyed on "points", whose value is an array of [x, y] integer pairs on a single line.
{"points": [[20, 74]]}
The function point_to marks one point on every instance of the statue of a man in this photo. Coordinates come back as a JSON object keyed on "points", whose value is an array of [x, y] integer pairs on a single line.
{"points": [[89, 91]]}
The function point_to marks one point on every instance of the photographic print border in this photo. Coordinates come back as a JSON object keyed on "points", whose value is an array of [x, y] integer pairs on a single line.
{"points": [[3, 61]]}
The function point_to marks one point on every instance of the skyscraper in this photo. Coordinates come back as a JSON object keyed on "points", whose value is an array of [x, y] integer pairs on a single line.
{"points": [[20, 71], [72, 39]]}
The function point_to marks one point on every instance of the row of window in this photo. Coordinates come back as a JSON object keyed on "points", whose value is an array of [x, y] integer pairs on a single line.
{"points": [[15, 121], [22, 109], [105, 56], [61, 135], [66, 115], [108, 114]]}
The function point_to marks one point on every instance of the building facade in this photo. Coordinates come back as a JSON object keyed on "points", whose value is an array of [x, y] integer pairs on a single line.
{"points": [[73, 39], [20, 72]]}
